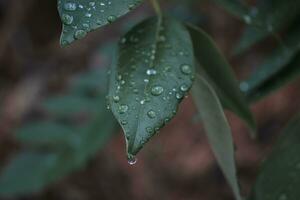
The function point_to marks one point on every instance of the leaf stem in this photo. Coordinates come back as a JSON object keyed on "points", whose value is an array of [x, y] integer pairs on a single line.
{"points": [[156, 7]]}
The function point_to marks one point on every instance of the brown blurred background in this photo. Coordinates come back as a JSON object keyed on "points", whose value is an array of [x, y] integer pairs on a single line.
{"points": [[176, 165]]}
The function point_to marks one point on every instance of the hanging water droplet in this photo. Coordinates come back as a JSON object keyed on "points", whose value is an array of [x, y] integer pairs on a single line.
{"points": [[157, 90], [186, 69], [132, 160], [151, 114]]}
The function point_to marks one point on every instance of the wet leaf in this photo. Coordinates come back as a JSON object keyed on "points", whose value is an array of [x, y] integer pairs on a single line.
{"points": [[217, 129], [153, 73], [279, 177], [214, 66], [81, 16]]}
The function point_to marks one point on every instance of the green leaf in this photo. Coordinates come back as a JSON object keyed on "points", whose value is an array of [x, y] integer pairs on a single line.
{"points": [[32, 171], [153, 73], [217, 129], [280, 174], [69, 105], [220, 74], [81, 16], [235, 7], [268, 18], [279, 68], [45, 133], [28, 171], [284, 76]]}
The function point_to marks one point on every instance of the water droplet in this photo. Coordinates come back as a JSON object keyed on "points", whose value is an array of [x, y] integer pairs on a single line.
{"points": [[111, 18], [151, 114], [124, 122], [179, 96], [151, 72], [184, 88], [247, 19], [132, 160], [79, 34], [186, 69], [70, 6], [116, 99], [244, 86], [123, 109], [67, 19], [157, 90]]}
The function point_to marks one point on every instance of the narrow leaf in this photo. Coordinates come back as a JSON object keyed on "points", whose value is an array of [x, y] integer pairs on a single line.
{"points": [[220, 73], [217, 129], [80, 16], [235, 7], [278, 59], [153, 73], [280, 174], [286, 75], [268, 18]]}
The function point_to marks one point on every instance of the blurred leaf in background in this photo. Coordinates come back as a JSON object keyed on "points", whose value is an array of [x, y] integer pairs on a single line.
{"points": [[79, 125], [279, 177]]}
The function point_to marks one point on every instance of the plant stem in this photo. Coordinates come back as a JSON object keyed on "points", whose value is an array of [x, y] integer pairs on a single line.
{"points": [[156, 7]]}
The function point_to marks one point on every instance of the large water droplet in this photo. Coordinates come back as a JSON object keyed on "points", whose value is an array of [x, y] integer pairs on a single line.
{"points": [[186, 69], [157, 90], [151, 114]]}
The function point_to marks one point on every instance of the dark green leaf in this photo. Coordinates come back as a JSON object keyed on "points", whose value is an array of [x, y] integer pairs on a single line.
{"points": [[68, 105], [235, 7], [81, 16], [47, 134], [289, 73], [28, 171], [217, 129], [153, 73], [280, 174], [268, 18], [219, 72], [281, 67]]}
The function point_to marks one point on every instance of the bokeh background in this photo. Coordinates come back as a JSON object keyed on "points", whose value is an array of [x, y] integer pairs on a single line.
{"points": [[178, 163]]}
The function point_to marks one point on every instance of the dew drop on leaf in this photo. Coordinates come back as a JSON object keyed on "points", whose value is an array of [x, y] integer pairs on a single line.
{"points": [[186, 69], [157, 90]]}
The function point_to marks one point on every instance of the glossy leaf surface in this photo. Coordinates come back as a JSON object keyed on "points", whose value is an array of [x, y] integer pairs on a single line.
{"points": [[217, 129], [82, 16], [153, 72]]}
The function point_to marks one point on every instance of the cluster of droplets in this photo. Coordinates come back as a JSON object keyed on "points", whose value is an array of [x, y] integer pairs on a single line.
{"points": [[84, 17]]}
